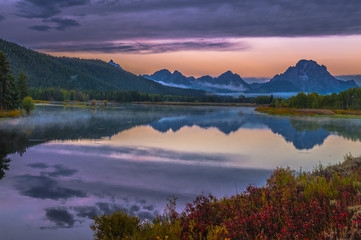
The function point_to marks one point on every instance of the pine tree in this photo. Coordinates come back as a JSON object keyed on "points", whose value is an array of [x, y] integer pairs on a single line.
{"points": [[4, 79], [23, 85], [12, 100], [9, 96]]}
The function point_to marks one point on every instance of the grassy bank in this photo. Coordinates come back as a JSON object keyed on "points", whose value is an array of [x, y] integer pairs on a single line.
{"points": [[111, 104], [10, 114], [323, 204], [77, 104], [310, 112]]}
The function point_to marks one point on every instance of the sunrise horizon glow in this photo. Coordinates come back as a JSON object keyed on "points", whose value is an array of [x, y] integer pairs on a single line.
{"points": [[253, 39]]}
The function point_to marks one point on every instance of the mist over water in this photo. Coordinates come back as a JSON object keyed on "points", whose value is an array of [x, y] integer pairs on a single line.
{"points": [[70, 164]]}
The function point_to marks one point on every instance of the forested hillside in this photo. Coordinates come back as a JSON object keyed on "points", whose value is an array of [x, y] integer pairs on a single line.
{"points": [[45, 71]]}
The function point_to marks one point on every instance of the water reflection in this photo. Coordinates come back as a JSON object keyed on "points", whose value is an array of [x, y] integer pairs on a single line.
{"points": [[68, 165], [303, 134]]}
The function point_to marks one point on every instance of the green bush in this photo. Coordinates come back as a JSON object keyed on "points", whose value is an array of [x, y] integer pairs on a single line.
{"points": [[28, 104], [116, 226]]}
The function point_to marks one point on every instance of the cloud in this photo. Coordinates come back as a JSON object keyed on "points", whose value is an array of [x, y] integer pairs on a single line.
{"points": [[108, 208], [38, 165], [106, 21], [146, 215], [2, 18], [145, 47], [134, 208], [60, 216], [45, 8], [231, 18], [42, 28], [148, 207], [43, 187], [64, 23], [66, 216], [86, 211], [61, 171]]}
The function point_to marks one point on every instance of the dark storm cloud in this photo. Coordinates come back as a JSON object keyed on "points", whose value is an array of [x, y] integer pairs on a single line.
{"points": [[64, 23], [148, 207], [2, 18], [146, 47], [104, 21], [197, 18], [108, 208], [43, 187], [45, 8], [38, 165], [65, 216], [134, 208], [61, 171], [42, 28], [146, 215], [86, 211], [60, 216]]}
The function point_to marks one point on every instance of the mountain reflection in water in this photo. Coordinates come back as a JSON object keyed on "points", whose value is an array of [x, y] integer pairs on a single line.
{"points": [[59, 167]]}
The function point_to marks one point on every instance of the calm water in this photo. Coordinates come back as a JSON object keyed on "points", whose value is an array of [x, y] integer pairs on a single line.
{"points": [[69, 165]]}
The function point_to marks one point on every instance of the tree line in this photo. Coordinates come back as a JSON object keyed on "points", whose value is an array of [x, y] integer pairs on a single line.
{"points": [[121, 96], [349, 99], [13, 91]]}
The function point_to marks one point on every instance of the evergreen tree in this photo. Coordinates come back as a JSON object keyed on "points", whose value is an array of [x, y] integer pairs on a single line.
{"points": [[4, 79], [23, 85], [12, 100], [9, 95]]}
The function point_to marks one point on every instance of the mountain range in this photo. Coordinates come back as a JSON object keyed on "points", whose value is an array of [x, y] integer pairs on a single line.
{"points": [[356, 78], [226, 82], [46, 71], [306, 76]]}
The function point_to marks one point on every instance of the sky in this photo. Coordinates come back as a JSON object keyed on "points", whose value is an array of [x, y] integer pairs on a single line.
{"points": [[197, 37]]}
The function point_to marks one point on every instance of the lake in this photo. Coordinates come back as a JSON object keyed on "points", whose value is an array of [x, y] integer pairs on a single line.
{"points": [[67, 165]]}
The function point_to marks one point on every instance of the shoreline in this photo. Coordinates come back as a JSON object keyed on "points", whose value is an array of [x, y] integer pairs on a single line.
{"points": [[112, 104], [306, 112], [197, 104]]}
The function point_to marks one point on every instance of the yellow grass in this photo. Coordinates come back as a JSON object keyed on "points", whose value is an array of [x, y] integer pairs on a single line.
{"points": [[41, 101], [309, 112], [10, 114]]}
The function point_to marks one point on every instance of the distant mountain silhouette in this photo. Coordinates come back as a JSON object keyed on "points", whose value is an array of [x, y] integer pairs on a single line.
{"points": [[306, 76], [226, 82]]}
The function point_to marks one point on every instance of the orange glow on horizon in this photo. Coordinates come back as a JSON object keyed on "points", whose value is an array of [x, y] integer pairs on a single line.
{"points": [[266, 57]]}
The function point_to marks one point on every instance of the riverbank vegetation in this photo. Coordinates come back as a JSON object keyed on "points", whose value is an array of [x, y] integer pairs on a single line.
{"points": [[310, 112], [349, 99], [323, 204], [344, 104]]}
